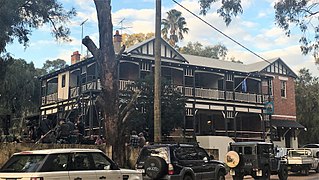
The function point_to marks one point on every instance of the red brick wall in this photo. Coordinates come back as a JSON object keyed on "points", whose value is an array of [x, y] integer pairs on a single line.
{"points": [[284, 106]]}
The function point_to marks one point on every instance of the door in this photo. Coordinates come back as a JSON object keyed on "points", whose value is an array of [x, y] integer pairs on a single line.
{"points": [[187, 157], [82, 167], [104, 167], [208, 167]]}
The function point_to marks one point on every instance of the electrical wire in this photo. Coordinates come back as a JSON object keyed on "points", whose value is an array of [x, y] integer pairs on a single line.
{"points": [[216, 29]]}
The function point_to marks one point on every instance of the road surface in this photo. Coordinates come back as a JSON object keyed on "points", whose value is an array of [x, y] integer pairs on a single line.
{"points": [[292, 176]]}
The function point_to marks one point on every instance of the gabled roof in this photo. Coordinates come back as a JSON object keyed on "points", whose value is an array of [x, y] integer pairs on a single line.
{"points": [[147, 48], [270, 65]]}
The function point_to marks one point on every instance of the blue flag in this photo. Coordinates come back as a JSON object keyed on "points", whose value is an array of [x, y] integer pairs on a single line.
{"points": [[244, 86]]}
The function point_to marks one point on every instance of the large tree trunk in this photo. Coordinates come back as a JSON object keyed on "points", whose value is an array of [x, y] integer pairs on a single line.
{"points": [[108, 72]]}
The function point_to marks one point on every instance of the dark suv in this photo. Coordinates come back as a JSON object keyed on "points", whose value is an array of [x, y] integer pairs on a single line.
{"points": [[257, 159], [178, 161]]}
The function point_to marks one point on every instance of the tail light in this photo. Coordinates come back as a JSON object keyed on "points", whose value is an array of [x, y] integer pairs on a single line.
{"points": [[170, 169], [36, 178]]}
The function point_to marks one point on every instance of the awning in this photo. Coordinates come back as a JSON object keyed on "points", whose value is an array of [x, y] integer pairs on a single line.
{"points": [[286, 124]]}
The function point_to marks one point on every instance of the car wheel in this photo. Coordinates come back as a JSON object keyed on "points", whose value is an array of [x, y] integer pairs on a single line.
{"points": [[283, 172], [220, 176], [155, 167], [187, 177]]}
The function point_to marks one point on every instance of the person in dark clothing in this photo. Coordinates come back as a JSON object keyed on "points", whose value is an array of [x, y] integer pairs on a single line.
{"points": [[134, 140]]}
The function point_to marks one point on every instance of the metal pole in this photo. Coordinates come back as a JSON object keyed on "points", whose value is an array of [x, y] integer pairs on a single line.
{"points": [[157, 78]]}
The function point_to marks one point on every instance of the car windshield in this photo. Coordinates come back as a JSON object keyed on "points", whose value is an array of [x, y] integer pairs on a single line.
{"points": [[161, 152], [23, 163]]}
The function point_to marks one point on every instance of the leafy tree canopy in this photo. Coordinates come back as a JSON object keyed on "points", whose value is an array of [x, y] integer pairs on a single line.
{"points": [[307, 102], [132, 39], [288, 14], [173, 107], [19, 90], [19, 17], [54, 65], [218, 51]]}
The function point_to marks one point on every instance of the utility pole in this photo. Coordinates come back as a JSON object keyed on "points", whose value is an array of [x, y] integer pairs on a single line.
{"points": [[157, 78]]}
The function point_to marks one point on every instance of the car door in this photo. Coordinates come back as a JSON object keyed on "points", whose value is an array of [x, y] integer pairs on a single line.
{"points": [[56, 167], [207, 168], [104, 167], [187, 157], [82, 167]]}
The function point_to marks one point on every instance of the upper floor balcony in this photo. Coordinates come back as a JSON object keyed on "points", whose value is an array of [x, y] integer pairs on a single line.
{"points": [[190, 92]]}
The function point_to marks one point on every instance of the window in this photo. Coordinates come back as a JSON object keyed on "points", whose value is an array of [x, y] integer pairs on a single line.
{"points": [[81, 161], [283, 88], [63, 80], [59, 163], [24, 162], [270, 90], [100, 162]]}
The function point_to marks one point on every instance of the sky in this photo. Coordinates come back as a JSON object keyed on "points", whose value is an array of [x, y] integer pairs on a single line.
{"points": [[255, 29]]}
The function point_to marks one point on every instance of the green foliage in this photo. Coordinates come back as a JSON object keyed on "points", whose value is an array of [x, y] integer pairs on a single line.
{"points": [[19, 90], [54, 65], [218, 51], [173, 107], [174, 26], [307, 102], [304, 15], [132, 39], [228, 8], [19, 17]]}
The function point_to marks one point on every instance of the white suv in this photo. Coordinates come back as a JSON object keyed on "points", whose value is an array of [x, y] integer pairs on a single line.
{"points": [[72, 164]]}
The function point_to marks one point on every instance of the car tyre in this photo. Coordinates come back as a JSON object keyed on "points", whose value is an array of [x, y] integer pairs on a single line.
{"points": [[283, 172], [155, 167], [187, 177]]}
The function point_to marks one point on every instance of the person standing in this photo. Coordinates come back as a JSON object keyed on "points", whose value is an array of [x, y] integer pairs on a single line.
{"points": [[142, 140], [134, 139]]}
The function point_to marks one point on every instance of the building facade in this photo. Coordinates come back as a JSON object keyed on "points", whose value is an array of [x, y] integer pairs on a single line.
{"points": [[224, 99]]}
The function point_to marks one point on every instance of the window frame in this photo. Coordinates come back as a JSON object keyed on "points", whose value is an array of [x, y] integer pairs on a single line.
{"points": [[283, 89]]}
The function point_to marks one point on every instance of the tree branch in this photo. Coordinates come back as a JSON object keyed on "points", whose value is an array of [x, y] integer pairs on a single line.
{"points": [[119, 55], [87, 41], [128, 108]]}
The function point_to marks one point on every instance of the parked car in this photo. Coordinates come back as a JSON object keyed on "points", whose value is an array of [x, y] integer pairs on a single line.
{"points": [[178, 161], [302, 160], [314, 148], [257, 159], [80, 164]]}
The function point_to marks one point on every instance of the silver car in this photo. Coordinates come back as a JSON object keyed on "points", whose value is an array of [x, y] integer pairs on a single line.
{"points": [[72, 164]]}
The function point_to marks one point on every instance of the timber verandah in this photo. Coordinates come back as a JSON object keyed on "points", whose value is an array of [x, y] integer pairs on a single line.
{"points": [[215, 108]]}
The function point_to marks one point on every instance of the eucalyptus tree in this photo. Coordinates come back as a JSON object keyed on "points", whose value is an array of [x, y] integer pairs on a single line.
{"points": [[174, 27], [19, 18]]}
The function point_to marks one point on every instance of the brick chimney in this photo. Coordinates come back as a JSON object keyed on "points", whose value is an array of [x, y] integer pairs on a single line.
{"points": [[75, 57], [117, 40]]}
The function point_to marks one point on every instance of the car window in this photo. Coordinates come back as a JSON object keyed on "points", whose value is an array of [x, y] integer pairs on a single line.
{"points": [[186, 153], [58, 162], [100, 162], [248, 150], [82, 161], [24, 163], [202, 154]]}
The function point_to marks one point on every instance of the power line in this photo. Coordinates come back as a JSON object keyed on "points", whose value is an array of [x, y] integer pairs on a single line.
{"points": [[216, 29]]}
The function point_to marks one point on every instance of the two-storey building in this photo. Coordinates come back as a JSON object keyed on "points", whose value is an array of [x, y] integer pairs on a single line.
{"points": [[224, 99]]}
